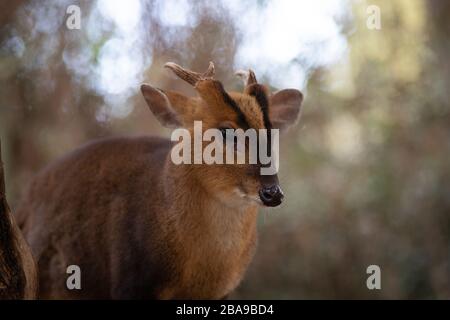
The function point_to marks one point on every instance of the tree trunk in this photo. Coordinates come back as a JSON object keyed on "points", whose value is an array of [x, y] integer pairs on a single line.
{"points": [[18, 278]]}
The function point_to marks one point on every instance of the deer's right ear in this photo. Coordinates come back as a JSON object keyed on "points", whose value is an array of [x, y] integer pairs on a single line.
{"points": [[161, 106]]}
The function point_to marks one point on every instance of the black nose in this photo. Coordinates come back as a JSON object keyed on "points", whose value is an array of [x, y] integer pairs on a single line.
{"points": [[271, 196]]}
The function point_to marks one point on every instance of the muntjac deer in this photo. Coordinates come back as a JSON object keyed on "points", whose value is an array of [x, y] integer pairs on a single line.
{"points": [[140, 226]]}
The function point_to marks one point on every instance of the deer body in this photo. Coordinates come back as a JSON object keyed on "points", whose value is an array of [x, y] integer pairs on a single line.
{"points": [[191, 263], [140, 226]]}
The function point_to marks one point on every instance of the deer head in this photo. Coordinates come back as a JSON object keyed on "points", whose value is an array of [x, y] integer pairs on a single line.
{"points": [[255, 108]]}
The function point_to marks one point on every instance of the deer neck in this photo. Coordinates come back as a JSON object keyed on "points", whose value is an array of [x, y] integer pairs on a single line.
{"points": [[207, 237], [197, 213]]}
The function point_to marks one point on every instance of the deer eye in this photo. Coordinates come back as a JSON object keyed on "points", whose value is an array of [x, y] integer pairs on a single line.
{"points": [[224, 132]]}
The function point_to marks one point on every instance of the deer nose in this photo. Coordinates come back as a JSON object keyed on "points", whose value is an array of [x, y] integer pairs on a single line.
{"points": [[271, 196]]}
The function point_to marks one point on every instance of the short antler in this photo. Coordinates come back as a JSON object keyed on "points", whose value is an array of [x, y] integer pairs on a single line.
{"points": [[189, 76], [210, 90], [248, 77]]}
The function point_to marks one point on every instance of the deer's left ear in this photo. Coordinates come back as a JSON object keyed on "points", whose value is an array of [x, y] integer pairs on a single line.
{"points": [[284, 108]]}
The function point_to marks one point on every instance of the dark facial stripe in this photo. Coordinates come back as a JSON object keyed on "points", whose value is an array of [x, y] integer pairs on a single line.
{"points": [[257, 91], [242, 120]]}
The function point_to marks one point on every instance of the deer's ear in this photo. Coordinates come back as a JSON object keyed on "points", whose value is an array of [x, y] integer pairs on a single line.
{"points": [[161, 106], [285, 107]]}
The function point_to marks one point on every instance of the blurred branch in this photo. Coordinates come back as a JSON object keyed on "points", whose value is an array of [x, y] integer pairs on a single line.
{"points": [[17, 273], [2, 176]]}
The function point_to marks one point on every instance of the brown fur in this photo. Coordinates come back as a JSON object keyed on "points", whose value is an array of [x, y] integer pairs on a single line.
{"points": [[137, 225], [140, 226]]}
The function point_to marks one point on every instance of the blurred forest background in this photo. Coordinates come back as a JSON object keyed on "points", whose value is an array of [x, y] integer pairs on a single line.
{"points": [[367, 171]]}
